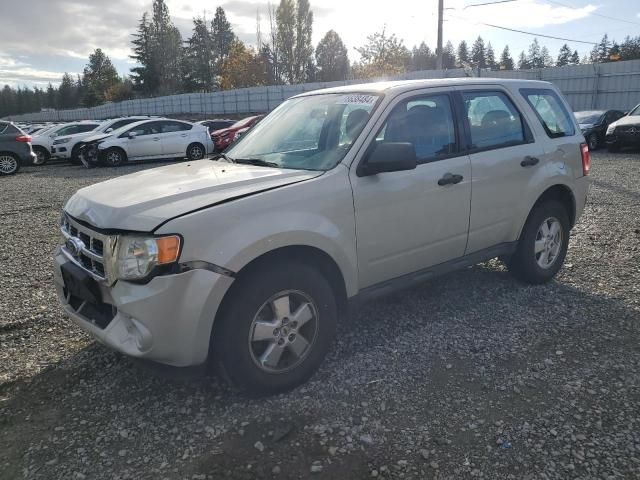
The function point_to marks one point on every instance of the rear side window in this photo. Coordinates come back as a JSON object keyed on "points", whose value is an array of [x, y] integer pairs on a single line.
{"points": [[7, 128], [169, 127], [122, 123], [494, 121], [85, 128], [550, 110]]}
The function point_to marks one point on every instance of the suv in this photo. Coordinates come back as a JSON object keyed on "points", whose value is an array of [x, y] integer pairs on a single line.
{"points": [[68, 146], [44, 140], [15, 148], [624, 132], [338, 195]]}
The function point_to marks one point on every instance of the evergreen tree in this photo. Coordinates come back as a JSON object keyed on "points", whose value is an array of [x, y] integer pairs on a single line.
{"points": [[523, 62], [145, 74], [222, 35], [545, 58], [575, 58], [491, 57], [199, 61], [98, 76], [286, 38], [564, 56], [66, 92], [303, 52], [478, 53], [167, 49], [449, 56], [463, 53], [422, 58], [600, 53], [506, 61], [534, 58], [630, 48], [332, 58], [52, 100]]}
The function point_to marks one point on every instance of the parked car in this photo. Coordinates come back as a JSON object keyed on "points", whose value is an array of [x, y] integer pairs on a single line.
{"points": [[43, 142], [15, 148], [226, 136], [68, 146], [624, 132], [336, 196], [594, 124], [216, 124], [157, 138]]}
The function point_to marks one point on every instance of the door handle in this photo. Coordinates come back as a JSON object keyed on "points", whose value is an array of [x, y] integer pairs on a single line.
{"points": [[529, 161], [450, 179], [183, 135], [156, 139]]}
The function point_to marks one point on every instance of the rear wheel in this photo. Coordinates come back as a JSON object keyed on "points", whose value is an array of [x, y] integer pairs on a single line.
{"points": [[196, 151], [593, 142], [42, 155], [276, 328], [543, 244], [9, 164], [114, 157]]}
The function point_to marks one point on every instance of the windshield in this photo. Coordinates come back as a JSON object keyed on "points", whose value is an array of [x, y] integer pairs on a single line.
{"points": [[309, 133], [588, 117], [635, 112], [242, 123]]}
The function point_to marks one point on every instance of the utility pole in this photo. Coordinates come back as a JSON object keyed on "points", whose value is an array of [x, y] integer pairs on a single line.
{"points": [[439, 49]]}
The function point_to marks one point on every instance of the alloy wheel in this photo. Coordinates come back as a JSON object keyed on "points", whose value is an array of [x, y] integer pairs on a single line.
{"points": [[283, 331], [548, 242], [8, 164], [196, 153], [114, 158]]}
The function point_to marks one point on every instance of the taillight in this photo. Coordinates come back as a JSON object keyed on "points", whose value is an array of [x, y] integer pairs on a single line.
{"points": [[586, 161], [23, 138]]}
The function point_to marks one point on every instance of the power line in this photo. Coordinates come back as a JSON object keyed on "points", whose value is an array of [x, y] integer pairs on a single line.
{"points": [[526, 33], [488, 3], [592, 13]]}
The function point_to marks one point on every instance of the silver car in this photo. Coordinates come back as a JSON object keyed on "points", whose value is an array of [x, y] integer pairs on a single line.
{"points": [[338, 195]]}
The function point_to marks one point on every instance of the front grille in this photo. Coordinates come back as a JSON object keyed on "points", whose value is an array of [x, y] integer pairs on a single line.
{"points": [[628, 129], [89, 254]]}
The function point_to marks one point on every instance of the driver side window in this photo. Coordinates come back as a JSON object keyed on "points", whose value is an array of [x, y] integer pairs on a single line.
{"points": [[426, 122]]}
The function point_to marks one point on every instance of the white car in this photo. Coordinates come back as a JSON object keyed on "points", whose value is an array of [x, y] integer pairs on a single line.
{"points": [[68, 146], [157, 138], [43, 141]]}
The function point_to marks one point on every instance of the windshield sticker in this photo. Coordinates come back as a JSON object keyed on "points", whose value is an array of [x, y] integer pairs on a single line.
{"points": [[357, 99]]}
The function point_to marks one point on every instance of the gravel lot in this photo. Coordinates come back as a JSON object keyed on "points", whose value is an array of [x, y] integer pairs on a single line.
{"points": [[472, 375]]}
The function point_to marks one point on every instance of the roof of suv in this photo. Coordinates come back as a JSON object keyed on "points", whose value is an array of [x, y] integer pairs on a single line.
{"points": [[401, 86]]}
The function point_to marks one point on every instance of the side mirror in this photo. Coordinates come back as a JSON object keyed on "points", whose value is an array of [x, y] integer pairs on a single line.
{"points": [[389, 157], [108, 130], [132, 135]]}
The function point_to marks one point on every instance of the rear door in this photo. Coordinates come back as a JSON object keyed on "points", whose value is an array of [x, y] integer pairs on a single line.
{"points": [[174, 137], [504, 161]]}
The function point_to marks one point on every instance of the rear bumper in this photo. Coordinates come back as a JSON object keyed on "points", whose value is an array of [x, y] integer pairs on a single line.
{"points": [[581, 192], [167, 320], [27, 158]]}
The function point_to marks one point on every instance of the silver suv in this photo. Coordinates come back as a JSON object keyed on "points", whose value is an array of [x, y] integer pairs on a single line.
{"points": [[340, 194]]}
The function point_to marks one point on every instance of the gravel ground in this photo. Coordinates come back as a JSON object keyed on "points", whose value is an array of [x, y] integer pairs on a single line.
{"points": [[472, 375]]}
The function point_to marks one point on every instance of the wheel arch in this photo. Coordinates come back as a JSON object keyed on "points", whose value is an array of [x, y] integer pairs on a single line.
{"points": [[558, 192], [191, 144]]}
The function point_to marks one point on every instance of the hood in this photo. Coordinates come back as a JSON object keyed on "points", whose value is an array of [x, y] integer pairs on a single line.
{"points": [[586, 126], [97, 136], [222, 131], [142, 201], [628, 120]]}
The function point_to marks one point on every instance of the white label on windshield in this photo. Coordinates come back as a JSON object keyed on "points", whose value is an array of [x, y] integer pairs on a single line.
{"points": [[357, 99]]}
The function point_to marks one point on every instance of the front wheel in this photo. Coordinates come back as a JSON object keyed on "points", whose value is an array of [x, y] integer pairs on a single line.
{"points": [[9, 164], [593, 142], [276, 328], [543, 244], [114, 157], [195, 151]]}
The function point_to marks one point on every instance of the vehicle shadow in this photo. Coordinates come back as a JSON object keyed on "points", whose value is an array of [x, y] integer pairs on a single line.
{"points": [[97, 401]]}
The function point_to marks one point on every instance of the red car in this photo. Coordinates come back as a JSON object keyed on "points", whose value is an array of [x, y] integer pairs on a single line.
{"points": [[225, 137]]}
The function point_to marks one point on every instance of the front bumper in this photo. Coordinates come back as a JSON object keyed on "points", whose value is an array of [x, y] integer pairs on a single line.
{"points": [[60, 151], [624, 139], [167, 320]]}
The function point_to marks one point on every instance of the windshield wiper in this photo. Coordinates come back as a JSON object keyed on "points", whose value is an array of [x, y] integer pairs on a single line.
{"points": [[224, 156], [257, 162]]}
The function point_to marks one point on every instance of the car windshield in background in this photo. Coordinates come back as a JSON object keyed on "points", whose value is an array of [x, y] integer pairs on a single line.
{"points": [[635, 112], [310, 133], [588, 117]]}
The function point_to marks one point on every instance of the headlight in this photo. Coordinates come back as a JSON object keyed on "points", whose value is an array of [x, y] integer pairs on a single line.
{"points": [[138, 256], [61, 140], [610, 129]]}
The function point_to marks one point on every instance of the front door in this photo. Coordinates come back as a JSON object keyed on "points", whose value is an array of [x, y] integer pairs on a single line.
{"points": [[146, 143], [410, 220]]}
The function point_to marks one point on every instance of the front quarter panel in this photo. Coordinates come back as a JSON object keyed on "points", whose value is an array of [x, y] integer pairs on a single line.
{"points": [[316, 213]]}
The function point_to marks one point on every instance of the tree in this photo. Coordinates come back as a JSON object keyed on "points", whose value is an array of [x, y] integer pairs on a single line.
{"points": [[52, 97], [575, 58], [199, 59], [167, 49], [600, 52], [286, 38], [241, 68], [121, 91], [506, 61], [463, 53], [145, 74], [98, 76], [564, 56], [381, 55], [448, 56], [303, 53], [545, 58], [630, 48], [422, 58], [491, 57], [534, 57], [66, 92], [222, 36], [332, 58], [478, 53], [523, 62]]}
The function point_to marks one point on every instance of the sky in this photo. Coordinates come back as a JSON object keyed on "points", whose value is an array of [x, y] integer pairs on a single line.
{"points": [[42, 39]]}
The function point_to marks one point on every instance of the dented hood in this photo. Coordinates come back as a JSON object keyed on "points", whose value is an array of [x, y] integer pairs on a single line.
{"points": [[142, 201]]}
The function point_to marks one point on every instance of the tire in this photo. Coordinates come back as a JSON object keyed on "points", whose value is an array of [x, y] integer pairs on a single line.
{"points": [[75, 155], [593, 142], [9, 164], [533, 267], [196, 151], [42, 155], [114, 157], [238, 345]]}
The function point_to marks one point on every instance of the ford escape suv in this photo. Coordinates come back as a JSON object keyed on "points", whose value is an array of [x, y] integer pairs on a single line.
{"points": [[339, 194]]}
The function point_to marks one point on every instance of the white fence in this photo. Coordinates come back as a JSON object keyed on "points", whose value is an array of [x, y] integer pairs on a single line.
{"points": [[587, 87]]}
